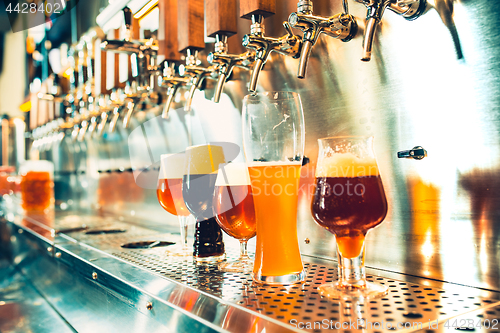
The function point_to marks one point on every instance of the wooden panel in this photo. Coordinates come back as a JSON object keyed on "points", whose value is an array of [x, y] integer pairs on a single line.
{"points": [[191, 32], [221, 17], [167, 30], [265, 8]]}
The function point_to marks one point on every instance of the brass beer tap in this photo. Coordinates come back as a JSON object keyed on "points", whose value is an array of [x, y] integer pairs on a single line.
{"points": [[341, 26]]}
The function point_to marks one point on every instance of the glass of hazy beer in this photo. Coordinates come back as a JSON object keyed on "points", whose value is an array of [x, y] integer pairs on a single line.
{"points": [[349, 200], [273, 140], [169, 193], [200, 173], [234, 211]]}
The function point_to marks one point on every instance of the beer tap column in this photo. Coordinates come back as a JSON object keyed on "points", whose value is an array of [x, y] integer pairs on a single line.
{"points": [[192, 40], [221, 24], [168, 50], [289, 44], [409, 9], [341, 26], [142, 60]]}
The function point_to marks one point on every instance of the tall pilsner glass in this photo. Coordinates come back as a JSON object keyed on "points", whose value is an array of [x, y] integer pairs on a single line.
{"points": [[169, 193], [273, 140], [349, 201]]}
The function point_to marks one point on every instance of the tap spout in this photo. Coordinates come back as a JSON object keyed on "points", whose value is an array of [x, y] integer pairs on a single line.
{"points": [[371, 27], [257, 67], [304, 57]]}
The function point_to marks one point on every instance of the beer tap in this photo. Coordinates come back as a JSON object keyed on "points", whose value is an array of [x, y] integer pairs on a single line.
{"points": [[173, 83], [192, 40], [288, 44], [226, 63], [221, 24], [143, 55], [341, 26], [409, 9], [196, 74], [169, 50]]}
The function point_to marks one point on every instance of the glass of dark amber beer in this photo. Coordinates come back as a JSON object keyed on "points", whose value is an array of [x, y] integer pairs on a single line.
{"points": [[169, 193], [234, 211], [349, 200], [273, 140]]}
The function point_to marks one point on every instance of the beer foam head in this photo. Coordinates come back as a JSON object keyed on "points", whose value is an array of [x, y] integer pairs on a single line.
{"points": [[233, 174], [204, 159], [172, 166], [346, 165]]}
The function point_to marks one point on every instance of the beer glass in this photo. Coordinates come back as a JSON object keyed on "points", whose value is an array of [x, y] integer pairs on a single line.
{"points": [[200, 173], [169, 193], [234, 211], [349, 200], [37, 185], [273, 141]]}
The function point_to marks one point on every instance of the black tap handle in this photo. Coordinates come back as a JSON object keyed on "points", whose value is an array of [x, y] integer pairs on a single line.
{"points": [[416, 153], [127, 14]]}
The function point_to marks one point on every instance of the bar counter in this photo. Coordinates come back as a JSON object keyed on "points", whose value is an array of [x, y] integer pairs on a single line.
{"points": [[77, 268]]}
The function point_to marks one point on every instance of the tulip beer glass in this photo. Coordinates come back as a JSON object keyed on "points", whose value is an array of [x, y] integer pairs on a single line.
{"points": [[169, 193], [349, 200], [200, 173], [273, 140], [234, 211]]}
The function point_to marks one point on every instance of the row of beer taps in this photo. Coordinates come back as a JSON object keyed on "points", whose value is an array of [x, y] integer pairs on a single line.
{"points": [[87, 114]]}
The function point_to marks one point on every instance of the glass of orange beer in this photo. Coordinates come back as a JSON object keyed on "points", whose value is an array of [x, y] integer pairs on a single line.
{"points": [[349, 200], [37, 186], [273, 140], [169, 193], [234, 211]]}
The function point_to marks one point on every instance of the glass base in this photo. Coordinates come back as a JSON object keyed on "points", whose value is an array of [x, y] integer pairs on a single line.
{"points": [[238, 266], [369, 291], [211, 259], [281, 279], [179, 251]]}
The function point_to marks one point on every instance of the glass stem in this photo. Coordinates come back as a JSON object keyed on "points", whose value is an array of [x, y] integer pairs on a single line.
{"points": [[351, 270], [243, 249], [184, 231]]}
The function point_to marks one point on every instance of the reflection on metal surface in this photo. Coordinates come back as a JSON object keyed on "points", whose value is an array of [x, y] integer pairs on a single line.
{"points": [[414, 91]]}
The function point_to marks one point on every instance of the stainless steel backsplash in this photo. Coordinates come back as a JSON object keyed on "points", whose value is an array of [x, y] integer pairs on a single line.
{"points": [[433, 82]]}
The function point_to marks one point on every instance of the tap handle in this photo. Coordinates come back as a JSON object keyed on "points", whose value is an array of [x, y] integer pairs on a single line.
{"points": [[264, 8], [288, 29], [191, 35], [127, 15], [220, 17], [416, 153], [168, 31]]}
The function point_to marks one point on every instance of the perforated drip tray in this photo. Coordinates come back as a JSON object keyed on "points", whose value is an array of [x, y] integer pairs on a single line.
{"points": [[407, 307]]}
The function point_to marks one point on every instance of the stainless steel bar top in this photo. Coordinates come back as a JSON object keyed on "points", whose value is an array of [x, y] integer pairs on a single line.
{"points": [[97, 285]]}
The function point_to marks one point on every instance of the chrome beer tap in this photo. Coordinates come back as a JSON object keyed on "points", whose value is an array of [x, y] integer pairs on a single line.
{"points": [[196, 73], [226, 62], [409, 9], [143, 54], [288, 44], [172, 82], [341, 26]]}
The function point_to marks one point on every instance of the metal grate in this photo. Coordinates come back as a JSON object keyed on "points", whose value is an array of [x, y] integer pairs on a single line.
{"points": [[302, 306]]}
